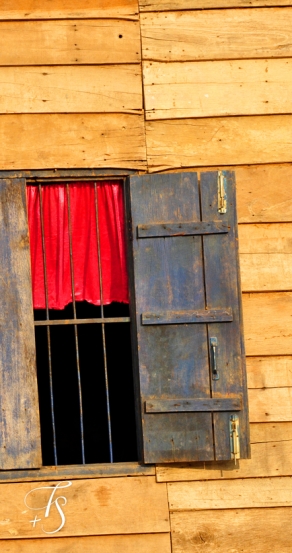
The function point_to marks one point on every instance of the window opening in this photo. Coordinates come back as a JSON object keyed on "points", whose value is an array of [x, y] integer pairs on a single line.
{"points": [[83, 349]]}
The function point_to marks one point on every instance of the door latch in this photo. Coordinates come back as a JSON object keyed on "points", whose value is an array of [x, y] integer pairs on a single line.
{"points": [[222, 193], [234, 437], [214, 345]]}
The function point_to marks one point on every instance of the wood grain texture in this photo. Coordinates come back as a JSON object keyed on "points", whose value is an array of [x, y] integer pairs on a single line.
{"points": [[221, 270], [70, 42], [67, 472], [267, 323], [230, 494], [20, 445], [217, 88], [265, 257], [89, 140], [50, 89], [267, 459], [217, 34], [270, 432], [270, 404], [269, 372], [166, 366], [236, 531], [271, 448], [66, 9], [94, 507], [161, 5], [138, 543], [264, 193], [213, 141]]}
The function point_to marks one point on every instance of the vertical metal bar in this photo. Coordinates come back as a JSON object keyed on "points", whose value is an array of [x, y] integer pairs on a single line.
{"points": [[75, 326], [48, 328], [102, 327]]}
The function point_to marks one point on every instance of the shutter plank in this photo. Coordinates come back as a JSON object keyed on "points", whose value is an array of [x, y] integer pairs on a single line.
{"points": [[222, 288], [172, 359], [19, 416]]}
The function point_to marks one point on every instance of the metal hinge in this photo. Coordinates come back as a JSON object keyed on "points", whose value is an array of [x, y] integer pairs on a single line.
{"points": [[222, 193], [234, 437]]}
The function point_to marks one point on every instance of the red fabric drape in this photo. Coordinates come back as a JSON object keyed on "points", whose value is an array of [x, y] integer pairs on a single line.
{"points": [[84, 240]]}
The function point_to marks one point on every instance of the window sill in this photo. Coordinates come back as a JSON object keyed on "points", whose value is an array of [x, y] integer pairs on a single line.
{"points": [[74, 472]]}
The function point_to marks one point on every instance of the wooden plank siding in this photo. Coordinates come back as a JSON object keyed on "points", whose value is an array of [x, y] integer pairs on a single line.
{"points": [[245, 530], [217, 94], [107, 506], [69, 42], [138, 543], [72, 140], [217, 34], [172, 144], [230, 494], [217, 88], [167, 5], [265, 257], [69, 89], [269, 372], [268, 323], [67, 9]]}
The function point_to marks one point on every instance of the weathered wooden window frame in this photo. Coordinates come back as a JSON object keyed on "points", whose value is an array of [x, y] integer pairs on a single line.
{"points": [[79, 471]]}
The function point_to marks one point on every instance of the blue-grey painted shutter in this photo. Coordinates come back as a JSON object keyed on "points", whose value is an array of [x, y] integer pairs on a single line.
{"points": [[185, 292], [20, 445]]}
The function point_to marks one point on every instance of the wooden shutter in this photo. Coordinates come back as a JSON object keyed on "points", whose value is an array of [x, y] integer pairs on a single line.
{"points": [[19, 412], [186, 298]]}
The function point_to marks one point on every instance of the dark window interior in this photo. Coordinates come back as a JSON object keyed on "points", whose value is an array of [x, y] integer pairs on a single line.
{"points": [[65, 388]]}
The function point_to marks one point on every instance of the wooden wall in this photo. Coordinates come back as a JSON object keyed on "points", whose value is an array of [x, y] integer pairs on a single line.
{"points": [[217, 88], [216, 93]]}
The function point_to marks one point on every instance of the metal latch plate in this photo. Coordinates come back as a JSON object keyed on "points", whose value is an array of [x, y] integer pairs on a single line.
{"points": [[234, 437], [222, 193]]}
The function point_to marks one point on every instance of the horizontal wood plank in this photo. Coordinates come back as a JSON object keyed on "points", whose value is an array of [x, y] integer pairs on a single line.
{"points": [[270, 404], [192, 405], [265, 239], [71, 42], [187, 316], [265, 257], [181, 229], [231, 140], [264, 194], [267, 459], [217, 34], [84, 89], [244, 530], [217, 88], [230, 494], [166, 5], [267, 323], [67, 472], [65, 9], [270, 432], [72, 140], [269, 372], [138, 543], [94, 507]]}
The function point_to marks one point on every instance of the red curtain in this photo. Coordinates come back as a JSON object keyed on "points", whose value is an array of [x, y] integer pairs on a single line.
{"points": [[84, 243]]}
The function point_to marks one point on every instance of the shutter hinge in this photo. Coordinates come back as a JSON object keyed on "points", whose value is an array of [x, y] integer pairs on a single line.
{"points": [[234, 437], [222, 193]]}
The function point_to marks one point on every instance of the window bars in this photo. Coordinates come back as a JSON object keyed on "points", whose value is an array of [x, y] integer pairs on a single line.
{"points": [[101, 321]]}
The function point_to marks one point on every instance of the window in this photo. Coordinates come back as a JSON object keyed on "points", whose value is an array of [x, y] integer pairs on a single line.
{"points": [[186, 322], [80, 295]]}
